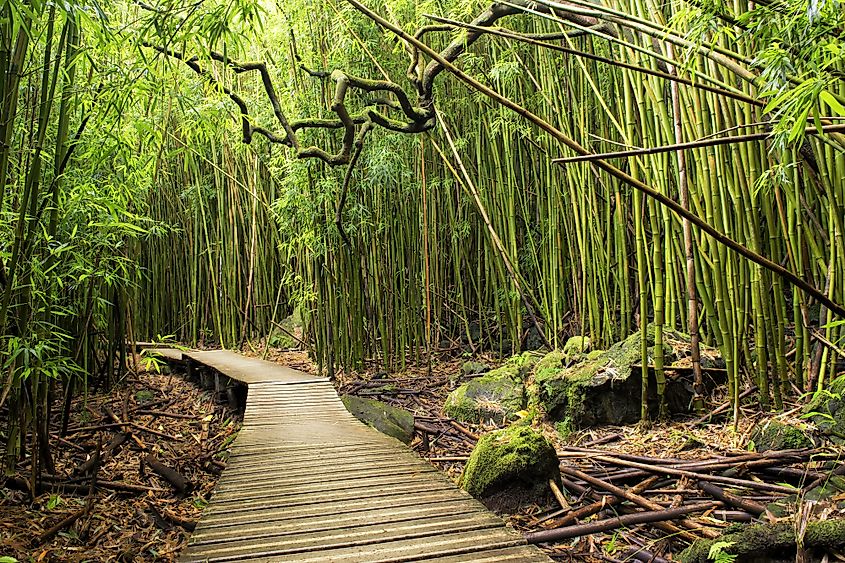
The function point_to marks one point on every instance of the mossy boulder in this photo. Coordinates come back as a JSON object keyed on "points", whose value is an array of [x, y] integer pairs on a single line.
{"points": [[827, 410], [554, 360], [595, 354], [564, 391], [385, 418], [605, 387], [517, 456], [759, 543], [289, 330], [522, 363], [576, 346], [774, 435], [474, 368], [497, 395]]}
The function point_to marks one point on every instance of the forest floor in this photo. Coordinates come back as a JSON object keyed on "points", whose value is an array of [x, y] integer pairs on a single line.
{"points": [[135, 514], [717, 450]]}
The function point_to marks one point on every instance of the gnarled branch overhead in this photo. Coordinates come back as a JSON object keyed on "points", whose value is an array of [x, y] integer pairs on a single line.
{"points": [[420, 117], [416, 118]]}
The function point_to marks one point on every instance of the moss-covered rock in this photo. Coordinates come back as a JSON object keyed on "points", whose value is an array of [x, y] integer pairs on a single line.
{"points": [[576, 346], [513, 456], [595, 354], [563, 391], [385, 418], [827, 410], [774, 435], [289, 330], [547, 368], [522, 363], [495, 396], [498, 395], [605, 387], [554, 360], [474, 368], [760, 543]]}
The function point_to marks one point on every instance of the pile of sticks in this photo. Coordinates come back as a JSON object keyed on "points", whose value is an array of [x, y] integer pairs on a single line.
{"points": [[113, 449], [667, 498]]}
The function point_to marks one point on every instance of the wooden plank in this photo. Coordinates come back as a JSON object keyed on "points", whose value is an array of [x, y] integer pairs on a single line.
{"points": [[166, 353], [250, 370], [281, 543], [324, 522], [366, 506], [307, 482]]}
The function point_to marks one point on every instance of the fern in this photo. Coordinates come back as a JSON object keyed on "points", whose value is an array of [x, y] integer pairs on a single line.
{"points": [[718, 554]]}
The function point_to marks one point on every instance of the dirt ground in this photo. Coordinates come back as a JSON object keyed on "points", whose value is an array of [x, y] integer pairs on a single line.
{"points": [[134, 514]]}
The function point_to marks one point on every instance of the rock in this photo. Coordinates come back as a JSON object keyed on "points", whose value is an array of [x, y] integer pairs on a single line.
{"points": [[827, 410], [774, 435], [523, 363], [292, 325], [516, 458], [576, 346], [474, 368], [605, 387], [552, 361], [385, 418], [759, 543], [564, 429], [595, 354], [497, 395]]}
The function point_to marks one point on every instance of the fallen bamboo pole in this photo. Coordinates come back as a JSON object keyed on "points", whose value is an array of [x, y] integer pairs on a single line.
{"points": [[648, 517]]}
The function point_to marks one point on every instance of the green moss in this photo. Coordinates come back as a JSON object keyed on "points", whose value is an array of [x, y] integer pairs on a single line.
{"points": [[144, 396], [520, 365], [547, 369], [576, 346], [385, 418], [474, 368], [563, 389], [774, 435], [595, 354], [516, 454], [760, 541], [564, 428], [553, 360], [496, 396], [510, 371], [622, 356], [830, 534]]}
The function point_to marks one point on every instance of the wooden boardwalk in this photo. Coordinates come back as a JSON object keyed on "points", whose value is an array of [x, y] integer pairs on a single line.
{"points": [[308, 482]]}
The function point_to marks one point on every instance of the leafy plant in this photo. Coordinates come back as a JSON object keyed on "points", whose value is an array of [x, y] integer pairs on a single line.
{"points": [[54, 501], [718, 554]]}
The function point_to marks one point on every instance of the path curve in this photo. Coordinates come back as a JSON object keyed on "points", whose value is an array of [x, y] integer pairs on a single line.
{"points": [[307, 482]]}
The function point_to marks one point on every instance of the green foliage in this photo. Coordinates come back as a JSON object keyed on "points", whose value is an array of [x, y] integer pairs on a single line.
{"points": [[798, 55], [199, 502], [565, 429], [161, 221], [718, 554], [54, 501]]}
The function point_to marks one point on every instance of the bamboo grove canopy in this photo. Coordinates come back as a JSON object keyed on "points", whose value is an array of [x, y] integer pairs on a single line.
{"points": [[418, 176]]}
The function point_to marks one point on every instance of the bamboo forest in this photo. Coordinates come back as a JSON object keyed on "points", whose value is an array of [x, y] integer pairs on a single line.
{"points": [[394, 280]]}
